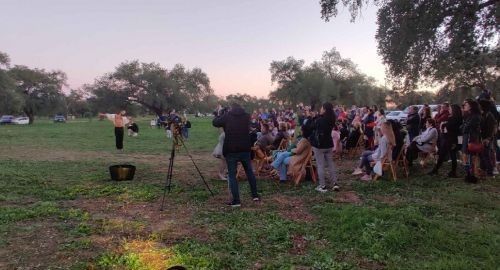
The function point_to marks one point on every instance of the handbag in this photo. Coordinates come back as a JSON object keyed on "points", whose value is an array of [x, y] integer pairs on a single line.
{"points": [[475, 147], [377, 169]]}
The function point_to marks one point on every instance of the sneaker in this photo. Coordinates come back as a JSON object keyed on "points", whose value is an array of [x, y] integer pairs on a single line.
{"points": [[335, 187], [357, 171], [321, 189], [366, 177], [256, 199], [234, 204], [495, 171]]}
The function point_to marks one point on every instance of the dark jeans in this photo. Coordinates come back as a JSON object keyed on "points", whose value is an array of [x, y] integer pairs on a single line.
{"points": [[486, 157], [447, 149], [412, 152], [232, 164], [119, 137]]}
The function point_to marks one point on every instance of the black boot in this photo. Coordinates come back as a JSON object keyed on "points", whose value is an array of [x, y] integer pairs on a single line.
{"points": [[452, 174]]}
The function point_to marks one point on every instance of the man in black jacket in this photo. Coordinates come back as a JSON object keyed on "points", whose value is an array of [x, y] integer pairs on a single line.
{"points": [[236, 124], [413, 123]]}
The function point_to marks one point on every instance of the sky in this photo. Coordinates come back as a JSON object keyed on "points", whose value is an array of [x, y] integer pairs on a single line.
{"points": [[233, 41]]}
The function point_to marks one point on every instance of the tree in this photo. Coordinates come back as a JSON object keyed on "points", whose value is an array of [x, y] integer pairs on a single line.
{"points": [[332, 79], [428, 41], [10, 101], [76, 103], [40, 90], [151, 86]]}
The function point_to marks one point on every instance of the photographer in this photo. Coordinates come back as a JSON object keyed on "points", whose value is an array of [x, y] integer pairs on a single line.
{"points": [[236, 123]]}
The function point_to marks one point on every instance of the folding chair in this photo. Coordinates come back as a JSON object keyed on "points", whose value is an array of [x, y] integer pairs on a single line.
{"points": [[307, 165], [283, 144], [387, 164], [401, 161], [353, 152], [424, 157]]}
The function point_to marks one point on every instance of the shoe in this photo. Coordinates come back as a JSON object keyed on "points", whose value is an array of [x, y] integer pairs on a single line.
{"points": [[335, 187], [234, 204], [495, 171], [321, 189], [452, 175], [366, 177], [357, 171], [256, 199]]}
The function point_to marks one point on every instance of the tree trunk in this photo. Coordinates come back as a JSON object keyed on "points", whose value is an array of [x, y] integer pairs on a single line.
{"points": [[31, 116]]}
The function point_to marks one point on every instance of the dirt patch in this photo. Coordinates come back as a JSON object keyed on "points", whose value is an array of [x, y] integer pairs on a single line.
{"points": [[292, 208], [299, 245], [36, 246], [386, 199], [347, 197]]}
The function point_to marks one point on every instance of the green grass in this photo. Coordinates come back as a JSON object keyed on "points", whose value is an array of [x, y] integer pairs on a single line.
{"points": [[416, 223]]}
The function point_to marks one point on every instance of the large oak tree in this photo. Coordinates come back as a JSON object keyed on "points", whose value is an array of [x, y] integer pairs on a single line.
{"points": [[429, 41]]}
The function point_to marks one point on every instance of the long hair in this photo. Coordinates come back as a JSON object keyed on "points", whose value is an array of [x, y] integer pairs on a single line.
{"points": [[388, 133], [474, 106], [456, 111], [329, 113]]}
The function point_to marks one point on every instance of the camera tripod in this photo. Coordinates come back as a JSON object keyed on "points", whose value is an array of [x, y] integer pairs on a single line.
{"points": [[177, 142]]}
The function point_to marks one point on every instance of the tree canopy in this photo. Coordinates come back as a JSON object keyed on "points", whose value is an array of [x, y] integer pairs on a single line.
{"points": [[152, 86], [428, 41], [332, 78]]}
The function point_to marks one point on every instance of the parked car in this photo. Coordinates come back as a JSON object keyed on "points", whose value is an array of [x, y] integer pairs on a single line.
{"points": [[404, 114], [397, 115], [6, 119], [21, 121], [59, 118]]}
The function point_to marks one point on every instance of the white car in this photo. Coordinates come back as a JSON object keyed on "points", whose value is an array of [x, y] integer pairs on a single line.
{"points": [[21, 121], [397, 116]]}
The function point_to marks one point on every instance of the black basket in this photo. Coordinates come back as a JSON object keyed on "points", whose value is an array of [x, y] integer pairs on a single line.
{"points": [[122, 172]]}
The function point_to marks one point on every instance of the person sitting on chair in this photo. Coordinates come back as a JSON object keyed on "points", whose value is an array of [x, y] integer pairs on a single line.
{"points": [[266, 138], [425, 142], [282, 134], [294, 159], [387, 141]]}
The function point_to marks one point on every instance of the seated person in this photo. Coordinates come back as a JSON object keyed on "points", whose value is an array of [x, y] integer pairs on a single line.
{"points": [[353, 137], [266, 138], [337, 144], [294, 159], [282, 134], [425, 142], [133, 129], [386, 142], [399, 135]]}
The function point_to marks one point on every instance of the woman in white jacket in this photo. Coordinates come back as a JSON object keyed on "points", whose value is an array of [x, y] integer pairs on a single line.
{"points": [[425, 142], [386, 142]]}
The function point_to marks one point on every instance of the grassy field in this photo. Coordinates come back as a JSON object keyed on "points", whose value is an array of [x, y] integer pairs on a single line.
{"points": [[59, 210]]}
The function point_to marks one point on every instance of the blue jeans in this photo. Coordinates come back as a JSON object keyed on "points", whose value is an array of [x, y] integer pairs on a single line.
{"points": [[366, 158], [232, 163], [281, 162]]}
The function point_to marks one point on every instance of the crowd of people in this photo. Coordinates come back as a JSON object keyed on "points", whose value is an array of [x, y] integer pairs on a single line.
{"points": [[469, 131]]}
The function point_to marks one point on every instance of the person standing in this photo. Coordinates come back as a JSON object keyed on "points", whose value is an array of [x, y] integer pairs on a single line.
{"points": [[236, 147], [450, 130], [413, 123], [471, 129], [322, 143], [119, 120]]}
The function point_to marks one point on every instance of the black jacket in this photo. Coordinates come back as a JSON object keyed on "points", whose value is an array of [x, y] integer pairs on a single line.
{"points": [[453, 129], [413, 124], [472, 127], [322, 135], [488, 126], [236, 124]]}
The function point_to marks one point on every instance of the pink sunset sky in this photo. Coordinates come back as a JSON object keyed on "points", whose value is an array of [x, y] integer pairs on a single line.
{"points": [[232, 41]]}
